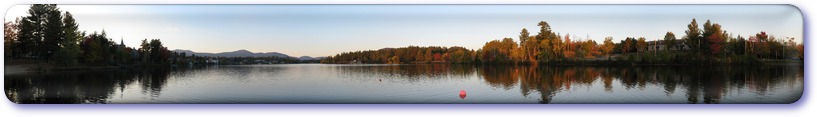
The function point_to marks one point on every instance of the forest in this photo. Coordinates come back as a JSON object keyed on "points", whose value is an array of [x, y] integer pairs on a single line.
{"points": [[51, 38], [708, 46]]}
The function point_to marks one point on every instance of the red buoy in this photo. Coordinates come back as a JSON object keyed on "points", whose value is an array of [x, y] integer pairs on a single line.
{"points": [[462, 94]]}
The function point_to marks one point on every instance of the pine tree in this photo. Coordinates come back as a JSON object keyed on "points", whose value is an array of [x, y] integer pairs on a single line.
{"points": [[693, 35], [53, 33], [70, 50]]}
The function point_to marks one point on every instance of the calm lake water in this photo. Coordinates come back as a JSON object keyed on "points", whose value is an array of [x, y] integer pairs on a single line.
{"points": [[434, 83]]}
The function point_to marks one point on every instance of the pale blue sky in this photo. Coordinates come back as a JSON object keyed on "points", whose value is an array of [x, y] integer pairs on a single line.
{"points": [[322, 30]]}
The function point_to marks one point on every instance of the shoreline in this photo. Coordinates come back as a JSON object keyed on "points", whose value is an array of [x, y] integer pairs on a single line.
{"points": [[15, 69], [622, 63], [32, 68], [28, 68]]}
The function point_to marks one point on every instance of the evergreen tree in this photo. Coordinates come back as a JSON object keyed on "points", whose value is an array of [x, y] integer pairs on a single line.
{"points": [[53, 33], [693, 36], [550, 44], [30, 36], [70, 50]]}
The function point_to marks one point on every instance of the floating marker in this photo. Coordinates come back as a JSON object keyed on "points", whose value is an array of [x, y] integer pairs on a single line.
{"points": [[462, 94]]}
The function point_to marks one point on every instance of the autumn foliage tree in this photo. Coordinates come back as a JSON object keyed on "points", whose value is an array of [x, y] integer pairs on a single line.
{"points": [[499, 51], [759, 44], [800, 52], [9, 36], [716, 42], [591, 49], [608, 46], [92, 48], [569, 46], [715, 38], [627, 45], [641, 44]]}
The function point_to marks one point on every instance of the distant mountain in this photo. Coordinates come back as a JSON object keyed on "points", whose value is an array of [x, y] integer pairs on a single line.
{"points": [[237, 53], [303, 58]]}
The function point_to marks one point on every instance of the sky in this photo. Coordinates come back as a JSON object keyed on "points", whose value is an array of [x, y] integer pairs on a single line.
{"points": [[324, 30]]}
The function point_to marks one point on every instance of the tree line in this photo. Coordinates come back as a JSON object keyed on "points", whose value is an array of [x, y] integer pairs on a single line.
{"points": [[710, 45], [410, 54], [49, 35]]}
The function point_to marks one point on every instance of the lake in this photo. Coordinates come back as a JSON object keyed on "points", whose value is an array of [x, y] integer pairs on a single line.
{"points": [[426, 83]]}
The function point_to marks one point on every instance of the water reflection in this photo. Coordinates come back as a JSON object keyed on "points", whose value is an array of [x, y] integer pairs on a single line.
{"points": [[82, 87], [406, 73], [699, 84], [551, 84], [702, 84]]}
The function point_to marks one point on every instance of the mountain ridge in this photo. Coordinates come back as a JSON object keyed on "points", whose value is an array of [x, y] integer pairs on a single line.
{"points": [[243, 53]]}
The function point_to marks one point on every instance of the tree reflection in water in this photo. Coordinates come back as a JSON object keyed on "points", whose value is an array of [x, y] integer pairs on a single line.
{"points": [[405, 73], [702, 84], [699, 84], [710, 83], [81, 87]]}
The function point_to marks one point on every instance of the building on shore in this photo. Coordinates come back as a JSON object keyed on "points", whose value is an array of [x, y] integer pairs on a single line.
{"points": [[661, 45]]}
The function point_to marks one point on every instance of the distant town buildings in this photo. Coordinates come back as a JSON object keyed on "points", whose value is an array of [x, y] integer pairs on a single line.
{"points": [[212, 61]]}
